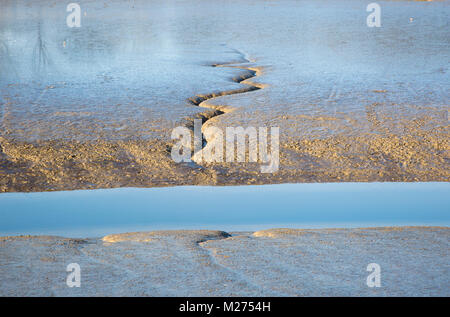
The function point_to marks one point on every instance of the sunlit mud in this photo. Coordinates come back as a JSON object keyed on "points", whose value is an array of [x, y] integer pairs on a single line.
{"points": [[94, 106]]}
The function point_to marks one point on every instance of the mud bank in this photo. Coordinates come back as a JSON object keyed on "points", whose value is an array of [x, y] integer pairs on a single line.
{"points": [[62, 165], [276, 262]]}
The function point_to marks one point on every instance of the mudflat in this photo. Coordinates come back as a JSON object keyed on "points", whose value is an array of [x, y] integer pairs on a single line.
{"points": [[94, 107], [413, 261]]}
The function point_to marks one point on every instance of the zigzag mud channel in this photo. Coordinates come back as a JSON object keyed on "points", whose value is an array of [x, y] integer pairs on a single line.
{"points": [[215, 110]]}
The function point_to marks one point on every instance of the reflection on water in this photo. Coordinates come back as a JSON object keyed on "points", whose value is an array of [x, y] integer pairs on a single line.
{"points": [[123, 73], [41, 60]]}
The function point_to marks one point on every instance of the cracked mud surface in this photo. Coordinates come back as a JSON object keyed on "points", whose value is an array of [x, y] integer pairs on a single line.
{"points": [[276, 262]]}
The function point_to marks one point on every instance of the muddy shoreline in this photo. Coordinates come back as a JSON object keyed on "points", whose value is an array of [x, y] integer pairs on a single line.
{"points": [[275, 262], [65, 165]]}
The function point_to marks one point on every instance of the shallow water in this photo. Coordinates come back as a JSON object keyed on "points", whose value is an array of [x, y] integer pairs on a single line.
{"points": [[233, 208], [128, 70]]}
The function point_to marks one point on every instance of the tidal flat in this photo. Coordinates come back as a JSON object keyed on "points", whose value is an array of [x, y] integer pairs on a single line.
{"points": [[94, 106], [86, 121], [414, 261]]}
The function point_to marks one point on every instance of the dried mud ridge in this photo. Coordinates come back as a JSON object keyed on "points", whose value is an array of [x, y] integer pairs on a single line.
{"points": [[242, 78]]}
